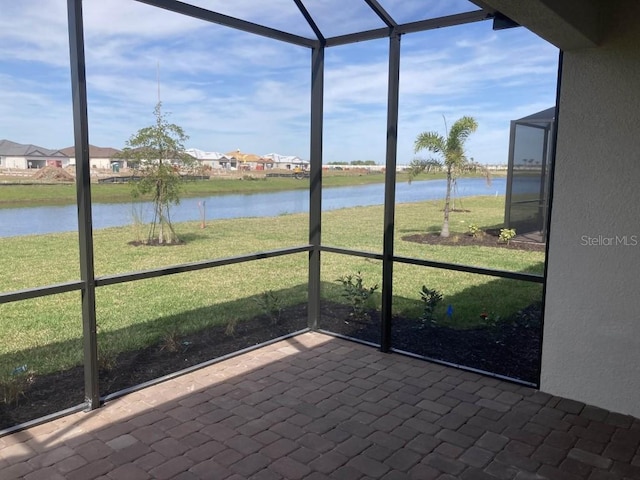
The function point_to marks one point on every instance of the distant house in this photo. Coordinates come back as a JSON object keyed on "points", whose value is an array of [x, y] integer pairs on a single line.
{"points": [[105, 158], [250, 161], [19, 156], [286, 162], [214, 160]]}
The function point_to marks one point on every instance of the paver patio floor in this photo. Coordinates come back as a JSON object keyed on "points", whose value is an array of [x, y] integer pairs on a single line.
{"points": [[314, 407]]}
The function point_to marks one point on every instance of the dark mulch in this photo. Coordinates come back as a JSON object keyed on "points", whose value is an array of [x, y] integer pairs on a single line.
{"points": [[55, 392], [510, 348], [488, 239]]}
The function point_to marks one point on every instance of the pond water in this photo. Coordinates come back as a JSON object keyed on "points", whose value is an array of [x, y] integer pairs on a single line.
{"points": [[51, 219]]}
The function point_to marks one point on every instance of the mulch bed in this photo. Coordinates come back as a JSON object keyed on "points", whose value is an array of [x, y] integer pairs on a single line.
{"points": [[487, 239], [511, 349]]}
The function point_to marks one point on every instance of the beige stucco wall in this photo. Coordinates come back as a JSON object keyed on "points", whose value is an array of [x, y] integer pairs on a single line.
{"points": [[591, 349]]}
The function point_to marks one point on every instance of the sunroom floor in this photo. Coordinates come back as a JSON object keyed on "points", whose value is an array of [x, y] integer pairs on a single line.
{"points": [[314, 407]]}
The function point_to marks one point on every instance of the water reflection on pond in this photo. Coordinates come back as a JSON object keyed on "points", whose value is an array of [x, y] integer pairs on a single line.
{"points": [[50, 219]]}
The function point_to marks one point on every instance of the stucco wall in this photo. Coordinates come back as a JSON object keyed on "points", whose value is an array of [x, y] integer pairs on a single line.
{"points": [[591, 349], [15, 162]]}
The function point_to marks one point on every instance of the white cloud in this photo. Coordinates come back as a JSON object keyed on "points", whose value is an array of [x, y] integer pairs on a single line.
{"points": [[231, 90]]}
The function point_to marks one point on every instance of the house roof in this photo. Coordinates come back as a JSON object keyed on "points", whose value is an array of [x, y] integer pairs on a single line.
{"points": [[202, 155], [244, 157], [94, 152], [13, 149], [284, 158]]}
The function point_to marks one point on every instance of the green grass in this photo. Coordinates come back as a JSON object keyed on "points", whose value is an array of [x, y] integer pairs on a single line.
{"points": [[32, 194], [45, 333]]}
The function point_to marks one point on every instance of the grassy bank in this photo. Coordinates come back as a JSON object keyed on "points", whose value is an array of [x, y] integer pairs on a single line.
{"points": [[26, 193], [45, 333]]}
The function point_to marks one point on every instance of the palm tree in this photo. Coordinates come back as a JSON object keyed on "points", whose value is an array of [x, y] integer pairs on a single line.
{"points": [[451, 149]]}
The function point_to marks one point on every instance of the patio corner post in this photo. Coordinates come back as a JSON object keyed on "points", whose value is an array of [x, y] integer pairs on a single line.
{"points": [[547, 220], [315, 188], [390, 190], [83, 189]]}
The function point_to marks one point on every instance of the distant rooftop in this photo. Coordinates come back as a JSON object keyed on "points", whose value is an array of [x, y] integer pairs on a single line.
{"points": [[13, 149], [94, 152]]}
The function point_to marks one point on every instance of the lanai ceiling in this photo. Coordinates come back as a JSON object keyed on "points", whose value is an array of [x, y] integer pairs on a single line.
{"points": [[568, 24], [330, 22]]}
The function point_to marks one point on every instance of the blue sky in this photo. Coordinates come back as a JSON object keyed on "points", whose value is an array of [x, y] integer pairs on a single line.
{"points": [[231, 90]]}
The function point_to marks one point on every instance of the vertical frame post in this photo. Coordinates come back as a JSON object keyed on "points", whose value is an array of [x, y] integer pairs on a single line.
{"points": [[510, 166], [547, 233], [390, 190], [315, 188], [83, 189]]}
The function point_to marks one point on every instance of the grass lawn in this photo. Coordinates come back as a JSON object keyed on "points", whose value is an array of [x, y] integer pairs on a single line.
{"points": [[44, 333]]}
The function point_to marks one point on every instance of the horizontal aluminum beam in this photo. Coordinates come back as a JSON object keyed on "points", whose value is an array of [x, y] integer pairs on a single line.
{"points": [[190, 267], [525, 277], [28, 293], [413, 27], [226, 20]]}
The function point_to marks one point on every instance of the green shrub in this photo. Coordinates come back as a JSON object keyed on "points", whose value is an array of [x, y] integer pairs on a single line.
{"points": [[13, 384], [357, 294], [506, 234], [271, 305], [474, 230], [430, 299]]}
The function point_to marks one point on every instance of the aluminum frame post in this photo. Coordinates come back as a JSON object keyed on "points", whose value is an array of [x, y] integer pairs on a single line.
{"points": [[83, 190], [547, 234], [390, 190], [315, 185]]}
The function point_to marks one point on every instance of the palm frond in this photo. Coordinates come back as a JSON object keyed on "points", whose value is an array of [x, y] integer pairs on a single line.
{"points": [[460, 131], [432, 141], [417, 166]]}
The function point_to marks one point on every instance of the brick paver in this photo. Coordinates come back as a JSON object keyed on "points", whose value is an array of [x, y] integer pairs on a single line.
{"points": [[314, 407]]}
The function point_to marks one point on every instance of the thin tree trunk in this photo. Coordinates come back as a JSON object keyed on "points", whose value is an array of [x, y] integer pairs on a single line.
{"points": [[159, 206], [160, 225], [447, 199]]}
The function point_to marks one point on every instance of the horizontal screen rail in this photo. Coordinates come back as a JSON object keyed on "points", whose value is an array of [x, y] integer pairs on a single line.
{"points": [[36, 292], [190, 267], [527, 277], [354, 253]]}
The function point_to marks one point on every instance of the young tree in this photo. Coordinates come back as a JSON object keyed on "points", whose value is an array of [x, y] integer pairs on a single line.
{"points": [[451, 150], [154, 150]]}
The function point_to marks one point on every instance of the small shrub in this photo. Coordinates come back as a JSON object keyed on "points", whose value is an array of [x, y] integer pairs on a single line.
{"points": [[430, 299], [506, 234], [14, 384], [232, 323], [107, 356], [474, 230], [171, 339], [270, 304], [108, 350], [357, 294]]}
